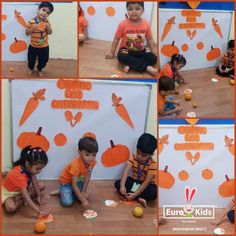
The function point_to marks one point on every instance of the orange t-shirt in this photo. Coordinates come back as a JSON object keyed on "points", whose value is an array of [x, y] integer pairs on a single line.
{"points": [[37, 34], [75, 168], [133, 35], [161, 102], [150, 167], [15, 180], [166, 71], [82, 23]]}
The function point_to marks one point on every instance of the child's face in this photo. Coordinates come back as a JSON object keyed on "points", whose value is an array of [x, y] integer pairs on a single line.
{"points": [[43, 13], [178, 66], [231, 51], [142, 157], [134, 11], [34, 169], [87, 157]]}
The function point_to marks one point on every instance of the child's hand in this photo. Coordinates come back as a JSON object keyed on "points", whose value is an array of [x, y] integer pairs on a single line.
{"points": [[130, 196], [177, 102], [85, 195], [109, 55], [123, 190], [85, 204], [39, 200], [44, 212]]}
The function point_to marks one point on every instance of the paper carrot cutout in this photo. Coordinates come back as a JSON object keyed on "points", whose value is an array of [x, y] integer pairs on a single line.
{"points": [[31, 105], [121, 110], [168, 27], [216, 27], [229, 144], [20, 19]]}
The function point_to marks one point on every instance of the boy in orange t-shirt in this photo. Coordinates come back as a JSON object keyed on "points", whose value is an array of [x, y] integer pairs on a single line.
{"points": [[132, 32], [83, 24], [75, 177]]}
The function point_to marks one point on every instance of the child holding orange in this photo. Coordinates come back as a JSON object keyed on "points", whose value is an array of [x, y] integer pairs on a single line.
{"points": [[83, 24], [75, 177], [132, 32], [16, 187], [141, 185]]}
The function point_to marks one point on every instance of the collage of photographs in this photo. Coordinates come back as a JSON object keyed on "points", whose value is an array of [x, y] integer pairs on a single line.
{"points": [[117, 117]]}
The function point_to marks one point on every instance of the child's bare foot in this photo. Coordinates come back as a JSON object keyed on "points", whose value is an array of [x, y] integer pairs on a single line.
{"points": [[55, 192], [126, 69], [152, 71], [30, 72], [40, 73], [142, 202]]}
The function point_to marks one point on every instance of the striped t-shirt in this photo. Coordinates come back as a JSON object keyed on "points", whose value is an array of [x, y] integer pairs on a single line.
{"points": [[37, 34], [150, 167]]}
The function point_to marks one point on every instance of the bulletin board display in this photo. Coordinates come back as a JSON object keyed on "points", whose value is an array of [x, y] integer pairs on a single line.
{"points": [[202, 161], [200, 35], [91, 110]]}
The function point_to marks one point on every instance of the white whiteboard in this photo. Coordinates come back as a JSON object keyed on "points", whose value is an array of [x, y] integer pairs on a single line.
{"points": [[219, 160], [105, 123], [196, 59], [103, 27]]}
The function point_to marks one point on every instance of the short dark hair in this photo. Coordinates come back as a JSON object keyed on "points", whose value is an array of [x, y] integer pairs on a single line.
{"points": [[48, 5], [231, 44], [139, 3], [147, 143], [166, 83], [88, 144], [179, 58]]}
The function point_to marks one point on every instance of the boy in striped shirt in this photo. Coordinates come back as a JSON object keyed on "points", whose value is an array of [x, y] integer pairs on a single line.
{"points": [[141, 185], [39, 28]]}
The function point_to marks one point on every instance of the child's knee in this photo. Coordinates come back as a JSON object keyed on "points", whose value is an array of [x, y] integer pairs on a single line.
{"points": [[10, 207], [117, 184], [42, 186], [66, 202]]}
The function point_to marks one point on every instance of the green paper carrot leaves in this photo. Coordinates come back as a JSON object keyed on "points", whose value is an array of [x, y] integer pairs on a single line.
{"points": [[121, 110], [31, 105]]}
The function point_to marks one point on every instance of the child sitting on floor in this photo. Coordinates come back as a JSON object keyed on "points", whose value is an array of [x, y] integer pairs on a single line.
{"points": [[226, 67], [133, 32], [83, 24], [75, 177], [167, 105], [171, 69], [141, 185], [16, 187]]}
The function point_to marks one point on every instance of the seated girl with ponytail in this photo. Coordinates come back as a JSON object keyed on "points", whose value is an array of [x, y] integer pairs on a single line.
{"points": [[21, 184]]}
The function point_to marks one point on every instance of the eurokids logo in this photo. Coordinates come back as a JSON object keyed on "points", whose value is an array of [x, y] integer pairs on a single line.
{"points": [[188, 211]]}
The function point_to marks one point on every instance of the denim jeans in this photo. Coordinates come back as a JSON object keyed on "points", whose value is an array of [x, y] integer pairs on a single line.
{"points": [[67, 195]]}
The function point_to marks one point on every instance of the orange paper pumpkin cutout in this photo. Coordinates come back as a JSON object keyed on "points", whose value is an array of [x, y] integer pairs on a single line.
{"points": [[183, 175], [165, 179], [20, 19], [168, 27], [18, 46], [226, 189], [33, 139], [121, 110], [229, 143], [110, 11], [41, 26], [60, 139], [161, 141], [200, 45], [40, 226], [207, 174], [115, 155], [216, 27], [213, 54], [90, 134], [169, 50], [91, 10], [31, 105]]}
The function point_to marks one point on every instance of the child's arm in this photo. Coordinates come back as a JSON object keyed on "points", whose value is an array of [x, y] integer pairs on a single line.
{"points": [[85, 33], [152, 46], [176, 110], [31, 30], [83, 200], [180, 77], [49, 28], [124, 178], [142, 187], [85, 185], [36, 188], [31, 204], [167, 100], [114, 45]]}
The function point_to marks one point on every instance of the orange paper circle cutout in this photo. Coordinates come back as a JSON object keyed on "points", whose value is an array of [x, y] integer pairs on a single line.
{"points": [[110, 11], [91, 10], [90, 134], [60, 139], [207, 174], [185, 47], [183, 175], [200, 45]]}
